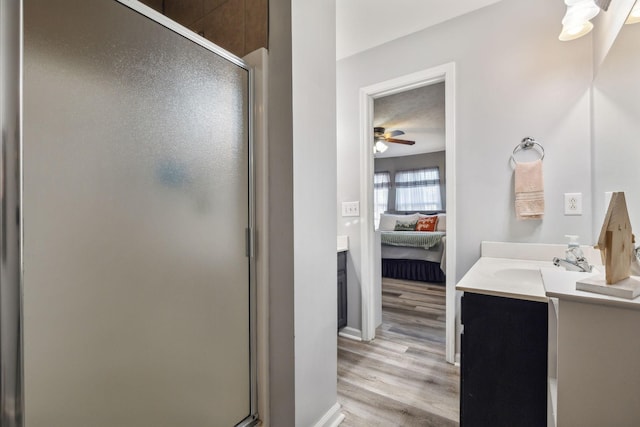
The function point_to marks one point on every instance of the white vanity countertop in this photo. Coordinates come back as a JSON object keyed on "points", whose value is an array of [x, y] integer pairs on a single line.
{"points": [[513, 269], [343, 243], [505, 277], [562, 285]]}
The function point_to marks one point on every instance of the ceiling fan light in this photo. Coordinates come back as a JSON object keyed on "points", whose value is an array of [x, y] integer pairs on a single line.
{"points": [[379, 147]]}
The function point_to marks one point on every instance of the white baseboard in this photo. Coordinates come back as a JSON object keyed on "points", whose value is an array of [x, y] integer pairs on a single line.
{"points": [[332, 418], [351, 333]]}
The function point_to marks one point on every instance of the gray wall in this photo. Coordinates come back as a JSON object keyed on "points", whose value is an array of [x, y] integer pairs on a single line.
{"points": [[425, 160], [281, 283], [512, 80], [302, 224], [314, 198]]}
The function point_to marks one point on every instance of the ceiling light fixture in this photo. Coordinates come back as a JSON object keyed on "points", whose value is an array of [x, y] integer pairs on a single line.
{"points": [[379, 147], [577, 20]]}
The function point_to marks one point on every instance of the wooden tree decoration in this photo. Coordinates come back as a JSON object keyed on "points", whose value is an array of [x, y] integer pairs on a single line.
{"points": [[616, 240]]}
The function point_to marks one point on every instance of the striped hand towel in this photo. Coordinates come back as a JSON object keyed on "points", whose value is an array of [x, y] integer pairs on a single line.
{"points": [[529, 188]]}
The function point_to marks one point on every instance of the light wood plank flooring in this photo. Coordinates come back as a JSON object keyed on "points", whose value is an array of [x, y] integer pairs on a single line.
{"points": [[401, 378]]}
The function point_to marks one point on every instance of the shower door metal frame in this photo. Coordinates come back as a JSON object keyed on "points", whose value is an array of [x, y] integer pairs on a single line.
{"points": [[11, 380], [11, 266]]}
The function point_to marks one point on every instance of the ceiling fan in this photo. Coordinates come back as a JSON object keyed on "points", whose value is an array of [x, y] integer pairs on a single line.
{"points": [[380, 137]]}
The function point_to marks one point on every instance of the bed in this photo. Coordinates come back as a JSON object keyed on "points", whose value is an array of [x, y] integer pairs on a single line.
{"points": [[413, 255]]}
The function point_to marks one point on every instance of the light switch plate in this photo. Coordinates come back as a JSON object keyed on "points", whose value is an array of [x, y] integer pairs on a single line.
{"points": [[350, 208], [573, 203]]}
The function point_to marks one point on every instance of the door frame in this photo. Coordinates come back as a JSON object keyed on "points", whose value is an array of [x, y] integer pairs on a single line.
{"points": [[443, 73]]}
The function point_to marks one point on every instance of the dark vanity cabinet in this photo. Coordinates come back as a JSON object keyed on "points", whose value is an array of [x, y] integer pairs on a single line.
{"points": [[503, 362], [342, 289]]}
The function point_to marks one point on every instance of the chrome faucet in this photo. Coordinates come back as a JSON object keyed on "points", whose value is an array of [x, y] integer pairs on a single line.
{"points": [[574, 259], [580, 264]]}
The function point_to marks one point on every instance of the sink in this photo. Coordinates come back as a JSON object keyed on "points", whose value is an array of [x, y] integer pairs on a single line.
{"points": [[512, 278], [516, 273]]}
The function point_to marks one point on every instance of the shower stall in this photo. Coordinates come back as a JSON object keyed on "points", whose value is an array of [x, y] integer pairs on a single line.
{"points": [[127, 289]]}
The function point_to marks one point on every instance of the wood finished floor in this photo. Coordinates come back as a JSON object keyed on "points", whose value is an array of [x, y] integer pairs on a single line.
{"points": [[401, 378]]}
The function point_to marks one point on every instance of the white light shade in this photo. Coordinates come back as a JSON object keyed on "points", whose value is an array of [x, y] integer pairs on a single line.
{"points": [[577, 2], [579, 13], [379, 147], [576, 22], [575, 31]]}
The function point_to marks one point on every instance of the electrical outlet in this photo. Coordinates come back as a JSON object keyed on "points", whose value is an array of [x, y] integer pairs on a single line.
{"points": [[350, 208], [573, 203]]}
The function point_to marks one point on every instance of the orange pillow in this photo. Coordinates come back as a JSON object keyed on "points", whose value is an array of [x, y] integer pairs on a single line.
{"points": [[427, 223]]}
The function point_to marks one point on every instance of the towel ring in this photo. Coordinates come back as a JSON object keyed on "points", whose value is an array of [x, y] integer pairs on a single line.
{"points": [[528, 143]]}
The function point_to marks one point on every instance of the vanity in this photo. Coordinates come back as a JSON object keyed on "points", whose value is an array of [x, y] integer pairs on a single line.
{"points": [[342, 246], [594, 373], [535, 351], [504, 341]]}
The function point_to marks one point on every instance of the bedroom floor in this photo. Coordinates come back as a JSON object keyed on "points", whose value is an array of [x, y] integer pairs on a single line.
{"points": [[401, 378]]}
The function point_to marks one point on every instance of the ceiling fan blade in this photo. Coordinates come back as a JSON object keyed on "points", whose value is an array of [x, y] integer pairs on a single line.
{"points": [[393, 133], [400, 141]]}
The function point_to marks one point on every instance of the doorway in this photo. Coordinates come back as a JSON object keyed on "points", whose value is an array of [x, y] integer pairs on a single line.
{"points": [[371, 292]]}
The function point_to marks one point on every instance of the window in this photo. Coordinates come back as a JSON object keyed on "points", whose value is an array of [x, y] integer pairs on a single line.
{"points": [[418, 190], [381, 182]]}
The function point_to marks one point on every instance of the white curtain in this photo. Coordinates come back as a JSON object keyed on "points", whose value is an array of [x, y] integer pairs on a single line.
{"points": [[381, 183], [418, 190]]}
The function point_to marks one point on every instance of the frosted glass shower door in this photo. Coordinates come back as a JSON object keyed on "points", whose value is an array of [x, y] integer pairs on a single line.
{"points": [[136, 286]]}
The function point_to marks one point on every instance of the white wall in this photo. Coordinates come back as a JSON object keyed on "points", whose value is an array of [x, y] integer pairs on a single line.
{"points": [[616, 126], [606, 27], [302, 224], [281, 263], [359, 26], [314, 196], [514, 79]]}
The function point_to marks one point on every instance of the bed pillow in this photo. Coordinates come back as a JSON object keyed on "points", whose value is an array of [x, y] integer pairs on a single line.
{"points": [[388, 221], [442, 222], [427, 223], [405, 226]]}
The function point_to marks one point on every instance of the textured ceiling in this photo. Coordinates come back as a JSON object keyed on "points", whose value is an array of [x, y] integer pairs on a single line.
{"points": [[420, 113]]}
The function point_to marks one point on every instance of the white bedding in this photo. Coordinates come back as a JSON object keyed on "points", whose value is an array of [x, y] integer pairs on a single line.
{"points": [[434, 254], [403, 252]]}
